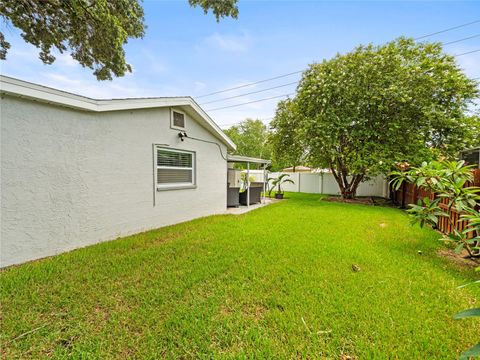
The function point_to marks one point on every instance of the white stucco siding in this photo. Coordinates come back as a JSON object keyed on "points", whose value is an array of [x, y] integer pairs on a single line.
{"points": [[73, 178]]}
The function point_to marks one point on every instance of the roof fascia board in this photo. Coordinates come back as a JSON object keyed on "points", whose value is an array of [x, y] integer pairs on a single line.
{"points": [[43, 93], [53, 96]]}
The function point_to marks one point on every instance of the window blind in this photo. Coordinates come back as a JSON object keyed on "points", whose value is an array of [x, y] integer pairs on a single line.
{"points": [[174, 168]]}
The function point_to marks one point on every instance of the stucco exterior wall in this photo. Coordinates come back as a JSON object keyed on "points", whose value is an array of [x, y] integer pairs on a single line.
{"points": [[73, 178]]}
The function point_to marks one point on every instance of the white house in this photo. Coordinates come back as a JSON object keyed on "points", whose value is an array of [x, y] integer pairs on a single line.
{"points": [[76, 171]]}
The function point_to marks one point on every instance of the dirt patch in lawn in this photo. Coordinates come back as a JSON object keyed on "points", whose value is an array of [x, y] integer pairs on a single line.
{"points": [[254, 311], [459, 259]]}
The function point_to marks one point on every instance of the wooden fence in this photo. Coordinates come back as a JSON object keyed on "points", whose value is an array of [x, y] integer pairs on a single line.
{"points": [[411, 194]]}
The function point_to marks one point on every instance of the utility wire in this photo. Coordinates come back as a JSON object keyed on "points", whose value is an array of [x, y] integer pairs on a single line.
{"points": [[468, 52], [270, 118], [250, 102], [298, 72], [445, 30], [250, 84], [296, 82], [225, 157], [457, 41], [249, 93], [274, 97], [240, 121]]}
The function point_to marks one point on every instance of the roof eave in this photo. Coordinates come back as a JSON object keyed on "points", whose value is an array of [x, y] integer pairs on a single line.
{"points": [[24, 89]]}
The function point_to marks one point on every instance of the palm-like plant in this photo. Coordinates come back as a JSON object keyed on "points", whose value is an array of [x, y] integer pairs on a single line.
{"points": [[281, 180], [270, 186]]}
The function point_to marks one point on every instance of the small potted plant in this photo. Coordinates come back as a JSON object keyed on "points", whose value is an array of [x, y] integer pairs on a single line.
{"points": [[278, 182]]}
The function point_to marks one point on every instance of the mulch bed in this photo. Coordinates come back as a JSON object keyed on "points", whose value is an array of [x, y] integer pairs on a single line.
{"points": [[366, 200], [459, 259]]}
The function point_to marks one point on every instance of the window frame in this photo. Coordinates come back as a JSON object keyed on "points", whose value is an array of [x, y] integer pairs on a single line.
{"points": [[175, 186], [172, 125]]}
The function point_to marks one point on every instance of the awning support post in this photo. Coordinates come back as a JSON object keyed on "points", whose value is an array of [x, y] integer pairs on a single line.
{"points": [[247, 181], [264, 184]]}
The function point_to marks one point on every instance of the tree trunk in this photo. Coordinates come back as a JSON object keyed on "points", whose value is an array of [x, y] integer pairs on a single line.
{"points": [[348, 189], [349, 194]]}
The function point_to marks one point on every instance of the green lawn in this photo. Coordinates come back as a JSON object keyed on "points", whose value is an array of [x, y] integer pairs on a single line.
{"points": [[276, 282]]}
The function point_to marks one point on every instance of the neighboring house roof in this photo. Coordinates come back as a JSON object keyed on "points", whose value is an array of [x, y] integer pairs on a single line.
{"points": [[297, 169], [24, 89], [255, 171]]}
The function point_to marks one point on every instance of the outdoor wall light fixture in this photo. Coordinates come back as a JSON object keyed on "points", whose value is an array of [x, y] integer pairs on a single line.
{"points": [[182, 135]]}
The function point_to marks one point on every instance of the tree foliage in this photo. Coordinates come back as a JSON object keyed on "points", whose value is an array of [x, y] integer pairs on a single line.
{"points": [[251, 137], [286, 138], [448, 180], [93, 31], [220, 8], [366, 110]]}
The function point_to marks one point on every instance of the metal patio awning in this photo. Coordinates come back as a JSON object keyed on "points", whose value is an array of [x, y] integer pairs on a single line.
{"points": [[250, 160], [247, 159]]}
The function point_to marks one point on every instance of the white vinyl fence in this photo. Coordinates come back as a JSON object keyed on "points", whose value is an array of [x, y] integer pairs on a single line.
{"points": [[325, 183]]}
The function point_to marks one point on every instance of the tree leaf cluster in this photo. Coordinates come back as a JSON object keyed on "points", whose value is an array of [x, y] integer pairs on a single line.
{"points": [[362, 112], [94, 32]]}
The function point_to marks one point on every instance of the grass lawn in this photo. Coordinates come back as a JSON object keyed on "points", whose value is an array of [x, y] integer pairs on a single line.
{"points": [[276, 282]]}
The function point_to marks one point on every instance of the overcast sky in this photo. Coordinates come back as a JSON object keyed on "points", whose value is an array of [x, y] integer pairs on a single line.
{"points": [[186, 52]]}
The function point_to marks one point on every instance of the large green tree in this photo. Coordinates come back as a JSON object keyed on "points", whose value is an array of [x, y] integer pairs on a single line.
{"points": [[251, 138], [286, 137], [93, 31], [366, 110]]}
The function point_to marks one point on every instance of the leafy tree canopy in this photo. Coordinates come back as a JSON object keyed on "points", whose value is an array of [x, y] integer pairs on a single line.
{"points": [[93, 31], [366, 110], [251, 137], [220, 8], [286, 138]]}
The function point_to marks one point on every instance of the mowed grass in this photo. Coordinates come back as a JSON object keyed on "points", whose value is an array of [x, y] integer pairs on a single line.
{"points": [[274, 283]]}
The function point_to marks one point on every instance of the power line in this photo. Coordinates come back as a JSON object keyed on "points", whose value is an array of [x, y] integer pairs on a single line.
{"points": [[300, 71], [296, 82], [250, 84], [270, 118], [297, 72], [457, 41], [251, 102], [275, 97], [445, 30], [468, 52], [240, 121], [249, 93]]}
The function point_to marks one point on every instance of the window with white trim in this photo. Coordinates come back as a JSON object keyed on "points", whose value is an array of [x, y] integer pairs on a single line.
{"points": [[175, 168]]}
